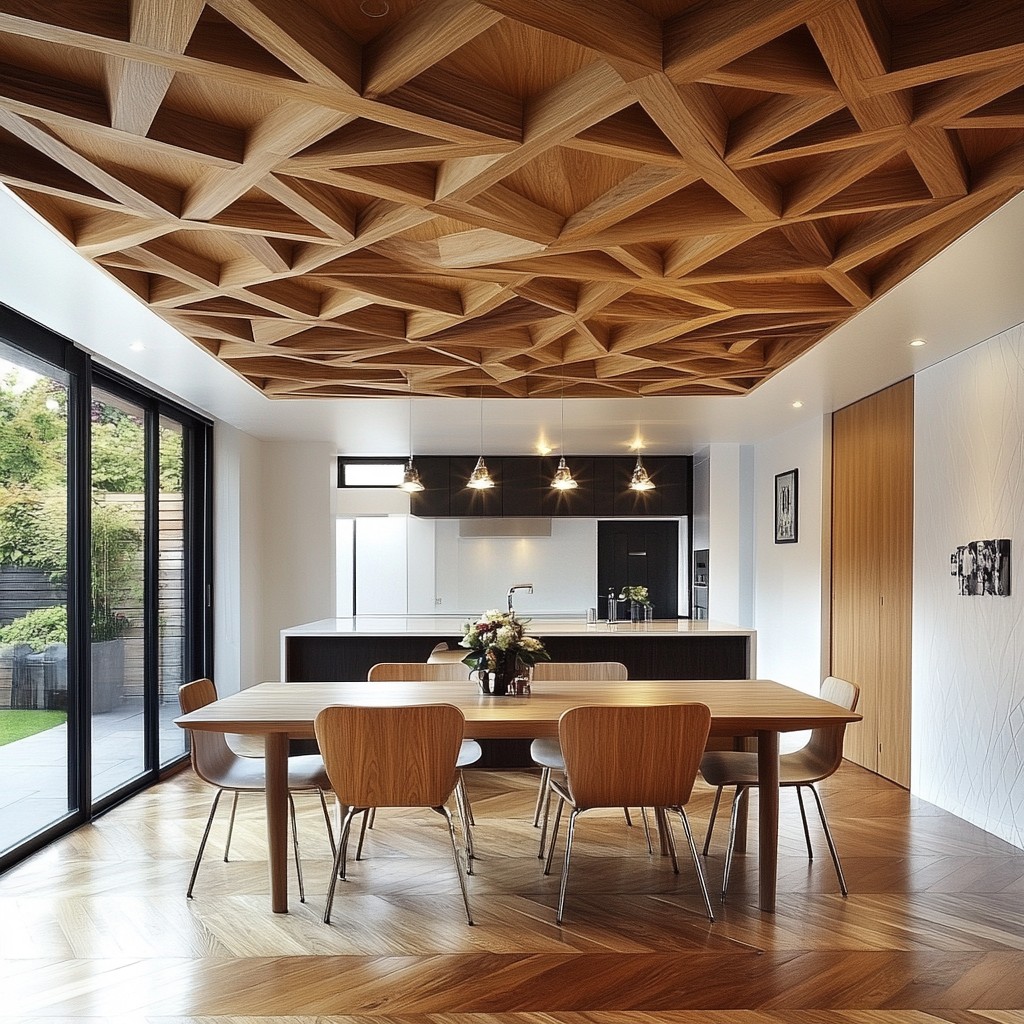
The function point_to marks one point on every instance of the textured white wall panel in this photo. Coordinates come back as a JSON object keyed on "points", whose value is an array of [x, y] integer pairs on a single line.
{"points": [[968, 672]]}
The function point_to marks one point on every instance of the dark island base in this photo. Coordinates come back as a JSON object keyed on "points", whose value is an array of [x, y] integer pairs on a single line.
{"points": [[651, 656]]}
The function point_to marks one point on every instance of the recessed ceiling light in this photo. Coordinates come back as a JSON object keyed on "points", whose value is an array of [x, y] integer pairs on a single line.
{"points": [[798, 405], [137, 346], [918, 342]]}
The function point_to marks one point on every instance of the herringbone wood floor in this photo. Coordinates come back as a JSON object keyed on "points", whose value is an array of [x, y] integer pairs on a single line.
{"points": [[97, 927]]}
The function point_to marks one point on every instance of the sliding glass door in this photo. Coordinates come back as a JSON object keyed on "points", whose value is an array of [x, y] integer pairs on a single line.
{"points": [[34, 728], [104, 583]]}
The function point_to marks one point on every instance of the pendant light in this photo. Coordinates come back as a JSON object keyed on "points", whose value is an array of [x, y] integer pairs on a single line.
{"points": [[411, 477], [480, 478], [641, 480], [562, 480]]}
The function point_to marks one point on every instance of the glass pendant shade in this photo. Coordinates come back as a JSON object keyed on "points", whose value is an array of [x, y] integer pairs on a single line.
{"points": [[562, 480], [640, 480], [411, 479], [480, 478]]}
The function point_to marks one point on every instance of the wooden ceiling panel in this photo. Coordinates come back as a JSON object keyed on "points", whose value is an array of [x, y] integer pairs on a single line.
{"points": [[491, 197]]}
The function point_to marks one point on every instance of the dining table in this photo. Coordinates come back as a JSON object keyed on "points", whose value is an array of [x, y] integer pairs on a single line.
{"points": [[758, 708]]}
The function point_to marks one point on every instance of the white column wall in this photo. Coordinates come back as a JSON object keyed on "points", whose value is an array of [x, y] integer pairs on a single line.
{"points": [[238, 559], [297, 568], [730, 547]]}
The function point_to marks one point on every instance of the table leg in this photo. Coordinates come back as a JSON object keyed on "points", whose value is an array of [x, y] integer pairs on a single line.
{"points": [[276, 750], [739, 844], [768, 817]]}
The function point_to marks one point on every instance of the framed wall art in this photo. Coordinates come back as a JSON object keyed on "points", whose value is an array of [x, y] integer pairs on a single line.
{"points": [[786, 507]]}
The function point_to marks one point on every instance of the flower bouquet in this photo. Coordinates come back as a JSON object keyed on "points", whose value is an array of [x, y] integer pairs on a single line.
{"points": [[498, 643]]}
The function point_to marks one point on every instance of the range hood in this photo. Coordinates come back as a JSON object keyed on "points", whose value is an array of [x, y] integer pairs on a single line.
{"points": [[499, 526]]}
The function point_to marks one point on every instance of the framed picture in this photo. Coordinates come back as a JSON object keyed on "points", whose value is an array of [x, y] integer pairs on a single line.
{"points": [[785, 507]]}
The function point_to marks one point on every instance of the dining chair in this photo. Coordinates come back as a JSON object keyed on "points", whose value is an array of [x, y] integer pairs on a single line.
{"points": [[546, 752], [220, 766], [469, 752], [816, 760], [442, 654], [628, 756], [390, 757]]}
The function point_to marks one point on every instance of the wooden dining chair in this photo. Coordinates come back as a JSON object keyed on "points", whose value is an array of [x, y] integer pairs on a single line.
{"points": [[391, 757], [816, 760], [442, 654], [470, 751], [546, 752], [220, 766], [629, 756]]}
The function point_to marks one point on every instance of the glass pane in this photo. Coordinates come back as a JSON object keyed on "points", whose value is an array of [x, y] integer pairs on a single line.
{"points": [[118, 630], [34, 762], [171, 598], [374, 474]]}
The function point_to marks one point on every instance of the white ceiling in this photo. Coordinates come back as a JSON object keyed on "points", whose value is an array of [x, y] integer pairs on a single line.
{"points": [[968, 293]]}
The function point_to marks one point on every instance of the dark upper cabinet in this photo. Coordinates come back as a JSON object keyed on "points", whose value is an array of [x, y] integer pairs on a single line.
{"points": [[466, 501], [523, 487], [433, 501]]}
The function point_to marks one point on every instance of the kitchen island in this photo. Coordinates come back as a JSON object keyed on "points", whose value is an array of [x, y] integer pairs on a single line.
{"points": [[345, 648]]}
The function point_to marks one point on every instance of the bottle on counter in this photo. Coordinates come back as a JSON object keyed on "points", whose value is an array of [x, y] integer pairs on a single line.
{"points": [[612, 606]]}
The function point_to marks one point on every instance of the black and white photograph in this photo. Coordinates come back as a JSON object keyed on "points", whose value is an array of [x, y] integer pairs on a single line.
{"points": [[982, 567], [785, 507]]}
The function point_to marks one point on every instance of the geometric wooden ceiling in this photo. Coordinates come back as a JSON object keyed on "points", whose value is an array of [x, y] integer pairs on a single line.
{"points": [[506, 197]]}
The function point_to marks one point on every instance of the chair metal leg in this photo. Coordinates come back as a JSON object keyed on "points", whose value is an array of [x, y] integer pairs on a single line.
{"points": [[734, 817], [446, 814], [554, 836], [338, 870], [564, 884], [696, 863], [670, 839], [373, 817], [465, 800], [295, 843], [327, 818], [230, 824], [831, 844], [647, 828], [202, 843], [466, 817], [711, 820], [803, 818], [544, 821], [545, 774], [629, 820], [362, 833]]}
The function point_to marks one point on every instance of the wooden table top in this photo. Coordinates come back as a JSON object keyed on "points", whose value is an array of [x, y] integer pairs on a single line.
{"points": [[738, 706]]}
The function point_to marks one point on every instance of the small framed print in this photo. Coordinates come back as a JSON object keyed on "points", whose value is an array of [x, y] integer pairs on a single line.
{"points": [[786, 507]]}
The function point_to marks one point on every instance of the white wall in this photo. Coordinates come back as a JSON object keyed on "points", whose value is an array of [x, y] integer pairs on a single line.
{"points": [[791, 590], [968, 671]]}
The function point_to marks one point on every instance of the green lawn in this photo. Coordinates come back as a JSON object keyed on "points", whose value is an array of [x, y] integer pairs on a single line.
{"points": [[16, 725]]}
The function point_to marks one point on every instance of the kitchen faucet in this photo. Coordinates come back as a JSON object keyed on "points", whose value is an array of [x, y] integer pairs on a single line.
{"points": [[514, 587]]}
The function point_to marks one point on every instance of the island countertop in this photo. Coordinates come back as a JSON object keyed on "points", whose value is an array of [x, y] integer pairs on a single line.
{"points": [[452, 626]]}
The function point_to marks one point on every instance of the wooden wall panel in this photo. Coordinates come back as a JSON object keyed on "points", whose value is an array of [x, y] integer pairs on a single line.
{"points": [[872, 569]]}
